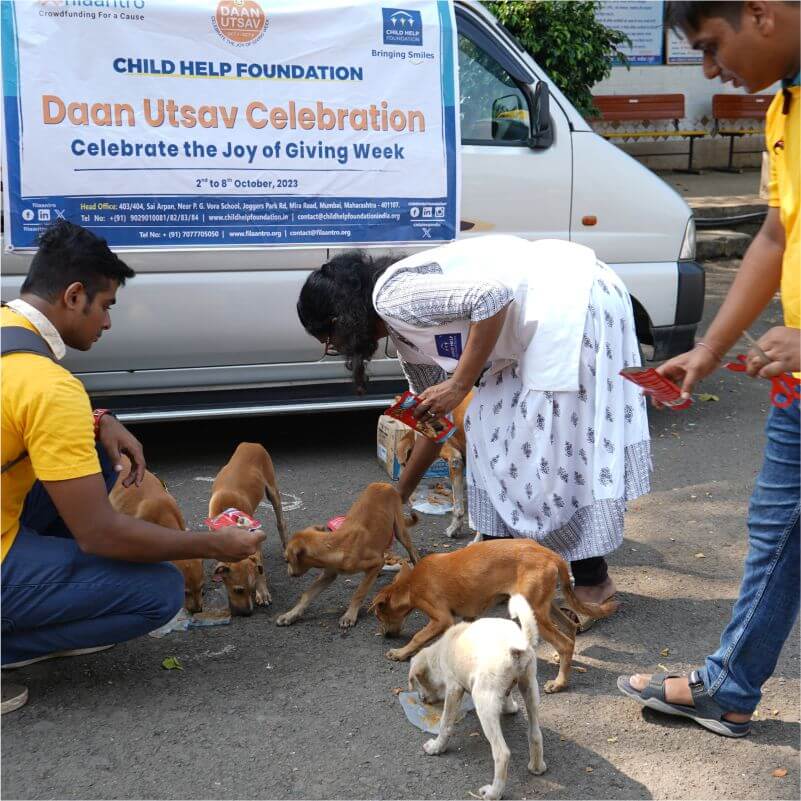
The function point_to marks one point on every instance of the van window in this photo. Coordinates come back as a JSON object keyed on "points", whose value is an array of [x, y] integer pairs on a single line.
{"points": [[492, 107]]}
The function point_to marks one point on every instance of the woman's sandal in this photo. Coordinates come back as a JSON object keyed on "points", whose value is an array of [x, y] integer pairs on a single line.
{"points": [[705, 713], [583, 622]]}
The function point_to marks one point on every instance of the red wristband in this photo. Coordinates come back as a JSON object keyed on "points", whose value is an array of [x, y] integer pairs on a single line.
{"points": [[98, 415]]}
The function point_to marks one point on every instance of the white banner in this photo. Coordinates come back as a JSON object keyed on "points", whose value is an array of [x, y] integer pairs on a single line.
{"points": [[220, 122], [641, 21]]}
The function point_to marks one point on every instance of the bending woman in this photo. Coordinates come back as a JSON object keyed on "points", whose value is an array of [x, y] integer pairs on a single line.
{"points": [[557, 441]]}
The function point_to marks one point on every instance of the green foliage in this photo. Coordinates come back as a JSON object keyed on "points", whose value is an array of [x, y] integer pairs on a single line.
{"points": [[566, 40]]}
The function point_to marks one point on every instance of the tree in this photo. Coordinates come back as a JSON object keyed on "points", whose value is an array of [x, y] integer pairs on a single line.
{"points": [[567, 41]]}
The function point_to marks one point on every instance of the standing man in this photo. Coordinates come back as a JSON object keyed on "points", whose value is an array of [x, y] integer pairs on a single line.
{"points": [[77, 576], [751, 44]]}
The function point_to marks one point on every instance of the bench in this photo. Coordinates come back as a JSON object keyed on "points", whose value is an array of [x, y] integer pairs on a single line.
{"points": [[642, 108], [739, 107]]}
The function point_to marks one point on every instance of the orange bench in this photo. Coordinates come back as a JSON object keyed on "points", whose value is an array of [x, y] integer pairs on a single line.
{"points": [[640, 108], [739, 107]]}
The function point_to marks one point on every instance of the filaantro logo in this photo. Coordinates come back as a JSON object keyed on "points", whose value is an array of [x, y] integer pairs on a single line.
{"points": [[102, 5], [402, 26], [240, 22]]}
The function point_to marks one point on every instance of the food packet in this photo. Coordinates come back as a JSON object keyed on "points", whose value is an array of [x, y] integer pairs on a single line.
{"points": [[657, 386], [438, 429], [233, 517]]}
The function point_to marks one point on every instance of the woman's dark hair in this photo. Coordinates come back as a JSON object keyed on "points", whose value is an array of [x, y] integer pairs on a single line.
{"points": [[337, 302], [68, 253]]}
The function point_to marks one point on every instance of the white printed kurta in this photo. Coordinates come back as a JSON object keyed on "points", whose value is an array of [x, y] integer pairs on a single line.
{"points": [[558, 467]]}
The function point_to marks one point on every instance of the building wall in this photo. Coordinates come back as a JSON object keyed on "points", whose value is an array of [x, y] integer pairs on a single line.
{"points": [[711, 151]]}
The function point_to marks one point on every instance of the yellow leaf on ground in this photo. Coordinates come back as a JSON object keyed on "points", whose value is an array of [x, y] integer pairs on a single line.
{"points": [[579, 669], [475, 733], [700, 556], [707, 396], [665, 652], [779, 773], [397, 690], [588, 769], [774, 712], [663, 667], [611, 739]]}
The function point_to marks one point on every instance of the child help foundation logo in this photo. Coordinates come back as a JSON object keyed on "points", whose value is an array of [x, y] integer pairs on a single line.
{"points": [[240, 22], [402, 27]]}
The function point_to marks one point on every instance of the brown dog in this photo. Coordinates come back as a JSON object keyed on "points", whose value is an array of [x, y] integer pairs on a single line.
{"points": [[469, 581], [454, 452], [153, 503], [242, 484], [357, 546]]}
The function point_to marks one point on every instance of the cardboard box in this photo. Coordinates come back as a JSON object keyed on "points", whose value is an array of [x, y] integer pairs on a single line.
{"points": [[388, 436]]}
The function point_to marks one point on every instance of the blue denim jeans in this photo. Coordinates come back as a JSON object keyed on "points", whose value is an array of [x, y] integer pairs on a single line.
{"points": [[767, 607], [56, 598]]}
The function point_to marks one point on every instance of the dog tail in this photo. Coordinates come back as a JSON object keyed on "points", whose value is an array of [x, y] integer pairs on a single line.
{"points": [[520, 611], [412, 520], [593, 610]]}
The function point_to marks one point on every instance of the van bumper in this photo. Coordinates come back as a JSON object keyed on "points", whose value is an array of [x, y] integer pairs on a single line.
{"points": [[671, 340]]}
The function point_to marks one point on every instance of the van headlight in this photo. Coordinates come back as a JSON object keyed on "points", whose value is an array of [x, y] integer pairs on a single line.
{"points": [[687, 252]]}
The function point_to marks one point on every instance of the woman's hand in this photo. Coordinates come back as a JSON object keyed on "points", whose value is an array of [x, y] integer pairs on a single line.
{"points": [[782, 345], [689, 368], [441, 399]]}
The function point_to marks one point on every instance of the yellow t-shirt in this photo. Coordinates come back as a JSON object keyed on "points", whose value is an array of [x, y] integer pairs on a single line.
{"points": [[47, 413], [782, 133]]}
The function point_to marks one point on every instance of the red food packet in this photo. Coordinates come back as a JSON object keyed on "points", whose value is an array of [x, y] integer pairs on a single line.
{"points": [[233, 517], [657, 386], [438, 429], [335, 522]]}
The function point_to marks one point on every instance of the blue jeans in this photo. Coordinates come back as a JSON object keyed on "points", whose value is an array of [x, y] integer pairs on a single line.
{"points": [[56, 598], [767, 607]]}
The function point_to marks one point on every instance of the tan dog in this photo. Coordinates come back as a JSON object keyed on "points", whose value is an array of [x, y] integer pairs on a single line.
{"points": [[357, 546], [469, 581], [242, 484], [153, 503], [454, 452]]}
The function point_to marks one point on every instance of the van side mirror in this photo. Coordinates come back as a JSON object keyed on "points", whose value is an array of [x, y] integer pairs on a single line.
{"points": [[541, 129], [509, 119]]}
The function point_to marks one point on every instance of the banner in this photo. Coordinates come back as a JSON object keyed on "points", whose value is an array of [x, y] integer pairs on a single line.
{"points": [[679, 51], [641, 21], [231, 122]]}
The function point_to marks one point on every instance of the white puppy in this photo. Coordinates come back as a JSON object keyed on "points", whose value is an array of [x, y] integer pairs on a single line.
{"points": [[485, 658]]}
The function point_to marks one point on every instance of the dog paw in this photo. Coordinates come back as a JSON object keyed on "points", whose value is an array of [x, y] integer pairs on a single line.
{"points": [[510, 706], [284, 620], [396, 655], [432, 747], [537, 771], [554, 686], [263, 599], [453, 530], [347, 621], [488, 792]]}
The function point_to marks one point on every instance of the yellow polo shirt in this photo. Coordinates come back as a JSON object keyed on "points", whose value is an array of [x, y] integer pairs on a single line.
{"points": [[782, 132], [46, 412]]}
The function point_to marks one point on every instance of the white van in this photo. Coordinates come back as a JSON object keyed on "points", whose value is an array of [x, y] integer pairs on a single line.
{"points": [[209, 333]]}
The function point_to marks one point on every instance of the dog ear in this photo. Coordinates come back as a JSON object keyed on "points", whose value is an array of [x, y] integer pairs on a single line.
{"points": [[378, 602]]}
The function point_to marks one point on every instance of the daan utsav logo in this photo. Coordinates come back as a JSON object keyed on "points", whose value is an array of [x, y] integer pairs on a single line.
{"points": [[240, 22]]}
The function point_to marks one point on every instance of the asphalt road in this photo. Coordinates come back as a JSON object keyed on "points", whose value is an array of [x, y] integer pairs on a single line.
{"points": [[308, 712]]}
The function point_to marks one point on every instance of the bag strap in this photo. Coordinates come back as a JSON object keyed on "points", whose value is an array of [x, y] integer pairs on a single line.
{"points": [[16, 339]]}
